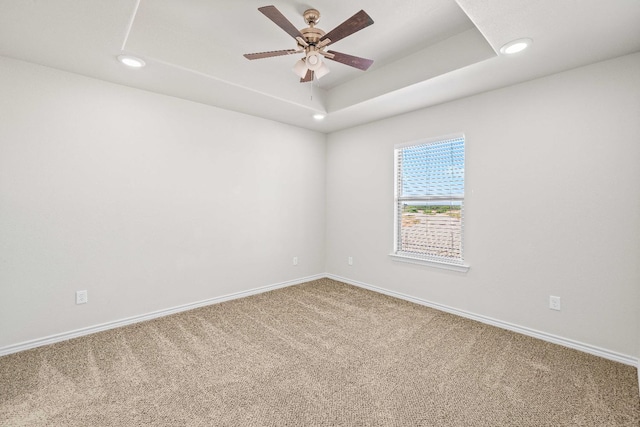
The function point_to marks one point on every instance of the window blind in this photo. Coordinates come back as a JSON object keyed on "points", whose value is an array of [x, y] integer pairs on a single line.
{"points": [[430, 200]]}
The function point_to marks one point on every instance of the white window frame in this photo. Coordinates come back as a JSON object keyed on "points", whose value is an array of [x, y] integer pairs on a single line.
{"points": [[415, 258]]}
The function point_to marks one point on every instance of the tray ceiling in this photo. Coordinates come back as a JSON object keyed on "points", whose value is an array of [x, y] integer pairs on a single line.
{"points": [[425, 52]]}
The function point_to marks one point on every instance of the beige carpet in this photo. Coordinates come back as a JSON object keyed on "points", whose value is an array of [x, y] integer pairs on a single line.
{"points": [[319, 354]]}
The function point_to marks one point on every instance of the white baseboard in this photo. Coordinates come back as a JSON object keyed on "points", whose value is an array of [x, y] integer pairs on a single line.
{"points": [[597, 351], [586, 348], [14, 348]]}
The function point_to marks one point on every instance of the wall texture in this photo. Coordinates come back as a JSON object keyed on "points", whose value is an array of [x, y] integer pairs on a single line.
{"points": [[552, 206], [146, 201]]}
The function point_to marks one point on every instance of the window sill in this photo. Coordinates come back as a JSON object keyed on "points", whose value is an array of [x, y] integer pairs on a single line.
{"points": [[430, 263]]}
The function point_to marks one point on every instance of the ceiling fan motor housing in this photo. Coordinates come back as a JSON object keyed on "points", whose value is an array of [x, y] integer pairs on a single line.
{"points": [[312, 35]]}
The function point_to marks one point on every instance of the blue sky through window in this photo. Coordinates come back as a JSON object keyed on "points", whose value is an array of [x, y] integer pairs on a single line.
{"points": [[435, 169]]}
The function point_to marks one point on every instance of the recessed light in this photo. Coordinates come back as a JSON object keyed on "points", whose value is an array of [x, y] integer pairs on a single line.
{"points": [[319, 116], [131, 61], [515, 46]]}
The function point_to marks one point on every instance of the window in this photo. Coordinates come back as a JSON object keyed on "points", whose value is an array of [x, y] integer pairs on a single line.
{"points": [[429, 202]]}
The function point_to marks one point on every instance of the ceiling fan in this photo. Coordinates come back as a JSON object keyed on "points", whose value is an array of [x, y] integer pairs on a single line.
{"points": [[312, 42]]}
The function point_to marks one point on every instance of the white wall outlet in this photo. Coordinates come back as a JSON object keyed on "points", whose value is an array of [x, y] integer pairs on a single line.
{"points": [[350, 260], [82, 297], [554, 303], [295, 260]]}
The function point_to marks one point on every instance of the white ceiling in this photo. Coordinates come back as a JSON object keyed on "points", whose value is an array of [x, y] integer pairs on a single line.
{"points": [[425, 51]]}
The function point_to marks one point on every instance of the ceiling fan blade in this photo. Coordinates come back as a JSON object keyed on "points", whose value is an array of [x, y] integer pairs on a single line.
{"points": [[357, 22], [280, 20], [260, 55], [308, 77], [352, 61]]}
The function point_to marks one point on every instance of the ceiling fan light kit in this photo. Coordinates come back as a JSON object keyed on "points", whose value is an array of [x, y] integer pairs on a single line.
{"points": [[312, 41], [312, 60], [322, 70], [300, 68]]}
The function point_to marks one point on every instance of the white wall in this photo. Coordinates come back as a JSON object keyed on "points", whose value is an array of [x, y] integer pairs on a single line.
{"points": [[552, 206], [149, 202], [146, 201]]}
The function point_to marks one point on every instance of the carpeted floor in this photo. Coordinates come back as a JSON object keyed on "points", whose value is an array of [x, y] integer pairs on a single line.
{"points": [[319, 354]]}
